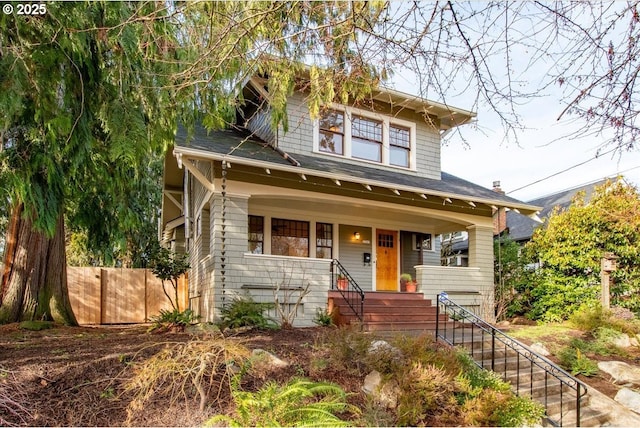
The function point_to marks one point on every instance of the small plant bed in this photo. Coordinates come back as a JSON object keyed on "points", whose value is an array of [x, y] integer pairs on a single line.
{"points": [[577, 345], [118, 376]]}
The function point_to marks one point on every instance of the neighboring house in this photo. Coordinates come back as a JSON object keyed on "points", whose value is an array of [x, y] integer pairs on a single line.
{"points": [[515, 225], [520, 228], [258, 209]]}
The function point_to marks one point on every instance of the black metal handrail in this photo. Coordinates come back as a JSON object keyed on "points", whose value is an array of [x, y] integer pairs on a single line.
{"points": [[496, 353], [348, 288]]}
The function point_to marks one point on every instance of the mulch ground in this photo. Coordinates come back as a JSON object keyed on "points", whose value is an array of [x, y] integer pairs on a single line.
{"points": [[74, 376]]}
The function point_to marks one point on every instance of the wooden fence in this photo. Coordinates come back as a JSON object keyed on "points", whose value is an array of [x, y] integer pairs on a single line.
{"points": [[119, 296]]}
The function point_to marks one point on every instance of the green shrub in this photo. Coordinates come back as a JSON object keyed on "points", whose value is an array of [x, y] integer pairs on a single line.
{"points": [[245, 312], [519, 411], [588, 317], [574, 360], [298, 403], [591, 318], [323, 318], [556, 297], [173, 320]]}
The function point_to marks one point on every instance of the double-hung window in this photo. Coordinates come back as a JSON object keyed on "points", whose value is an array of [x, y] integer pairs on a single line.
{"points": [[366, 139], [324, 240], [399, 145], [256, 234], [358, 134], [332, 132]]}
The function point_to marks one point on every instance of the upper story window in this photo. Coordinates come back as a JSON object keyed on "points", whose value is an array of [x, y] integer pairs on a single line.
{"points": [[359, 134], [366, 139], [332, 132], [399, 145]]}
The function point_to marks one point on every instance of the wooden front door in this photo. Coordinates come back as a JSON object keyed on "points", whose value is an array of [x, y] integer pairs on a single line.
{"points": [[386, 260]]}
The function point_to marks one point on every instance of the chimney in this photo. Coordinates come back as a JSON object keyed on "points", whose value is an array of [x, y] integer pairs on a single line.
{"points": [[499, 215], [496, 187]]}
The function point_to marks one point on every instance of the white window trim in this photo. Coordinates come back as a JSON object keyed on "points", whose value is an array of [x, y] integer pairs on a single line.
{"points": [[387, 121], [414, 242]]}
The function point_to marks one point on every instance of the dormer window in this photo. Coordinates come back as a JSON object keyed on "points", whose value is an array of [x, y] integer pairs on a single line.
{"points": [[332, 132], [399, 145], [366, 139], [358, 134]]}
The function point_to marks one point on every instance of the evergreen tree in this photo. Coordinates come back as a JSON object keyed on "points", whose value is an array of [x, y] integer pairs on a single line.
{"points": [[571, 245]]}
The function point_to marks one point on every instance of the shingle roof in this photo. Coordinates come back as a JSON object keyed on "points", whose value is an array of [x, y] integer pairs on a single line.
{"points": [[239, 145], [521, 227]]}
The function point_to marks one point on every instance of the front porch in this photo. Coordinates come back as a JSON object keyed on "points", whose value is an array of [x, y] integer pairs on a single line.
{"points": [[387, 312]]}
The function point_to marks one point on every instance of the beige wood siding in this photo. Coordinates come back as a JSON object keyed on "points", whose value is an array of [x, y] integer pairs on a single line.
{"points": [[299, 139]]}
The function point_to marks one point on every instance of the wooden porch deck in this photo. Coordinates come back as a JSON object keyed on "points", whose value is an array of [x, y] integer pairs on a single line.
{"points": [[388, 312]]}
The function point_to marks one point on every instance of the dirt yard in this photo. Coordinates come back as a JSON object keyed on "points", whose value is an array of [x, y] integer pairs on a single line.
{"points": [[75, 376]]}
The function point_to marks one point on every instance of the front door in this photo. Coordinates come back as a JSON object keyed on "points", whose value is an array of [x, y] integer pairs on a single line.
{"points": [[386, 260]]}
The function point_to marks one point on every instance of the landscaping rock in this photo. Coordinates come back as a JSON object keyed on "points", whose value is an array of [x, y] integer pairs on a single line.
{"points": [[203, 329], [621, 313], [622, 373], [621, 341], [539, 348], [372, 382], [384, 348], [629, 398], [386, 395], [269, 358]]}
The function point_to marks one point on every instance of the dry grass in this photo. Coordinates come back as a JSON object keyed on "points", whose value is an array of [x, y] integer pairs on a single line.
{"points": [[200, 368]]}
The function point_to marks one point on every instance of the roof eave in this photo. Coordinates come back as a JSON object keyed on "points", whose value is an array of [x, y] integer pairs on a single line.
{"points": [[520, 207]]}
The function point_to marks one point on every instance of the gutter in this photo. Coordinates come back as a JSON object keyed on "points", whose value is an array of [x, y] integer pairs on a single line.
{"points": [[206, 155]]}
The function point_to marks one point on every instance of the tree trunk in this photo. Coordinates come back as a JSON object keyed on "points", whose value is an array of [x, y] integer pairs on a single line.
{"points": [[34, 281]]}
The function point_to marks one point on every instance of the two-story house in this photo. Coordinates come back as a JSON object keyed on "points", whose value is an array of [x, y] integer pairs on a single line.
{"points": [[357, 192]]}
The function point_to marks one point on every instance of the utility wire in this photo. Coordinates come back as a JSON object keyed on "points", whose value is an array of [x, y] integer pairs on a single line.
{"points": [[563, 171]]}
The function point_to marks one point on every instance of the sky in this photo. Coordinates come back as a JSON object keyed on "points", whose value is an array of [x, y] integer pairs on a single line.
{"points": [[482, 153], [543, 150], [547, 146]]}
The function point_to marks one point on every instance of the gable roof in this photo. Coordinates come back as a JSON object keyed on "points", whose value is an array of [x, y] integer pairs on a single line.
{"points": [[521, 227], [235, 146]]}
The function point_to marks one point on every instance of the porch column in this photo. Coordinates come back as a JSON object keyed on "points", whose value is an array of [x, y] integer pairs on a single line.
{"points": [[481, 256]]}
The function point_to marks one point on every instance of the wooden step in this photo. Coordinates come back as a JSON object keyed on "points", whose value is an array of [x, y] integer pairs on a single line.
{"points": [[389, 312]]}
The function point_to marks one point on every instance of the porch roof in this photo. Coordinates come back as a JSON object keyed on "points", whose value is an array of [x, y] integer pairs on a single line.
{"points": [[234, 146]]}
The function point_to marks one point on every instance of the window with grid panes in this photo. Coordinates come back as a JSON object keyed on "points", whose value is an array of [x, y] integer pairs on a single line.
{"points": [[366, 139], [332, 132], [324, 240], [289, 237], [256, 234], [399, 145]]}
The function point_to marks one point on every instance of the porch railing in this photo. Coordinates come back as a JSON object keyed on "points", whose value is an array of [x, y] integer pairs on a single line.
{"points": [[526, 370], [348, 288]]}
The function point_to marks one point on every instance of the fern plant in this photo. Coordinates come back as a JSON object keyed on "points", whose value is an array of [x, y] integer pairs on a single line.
{"points": [[298, 403], [173, 320], [245, 312]]}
